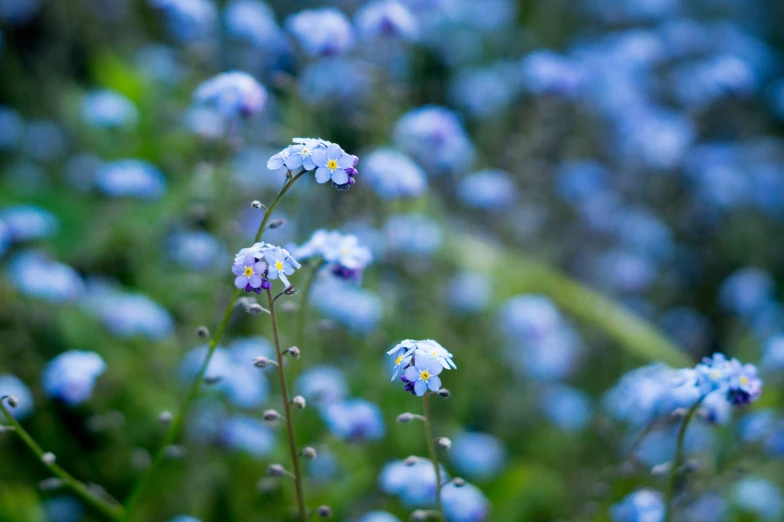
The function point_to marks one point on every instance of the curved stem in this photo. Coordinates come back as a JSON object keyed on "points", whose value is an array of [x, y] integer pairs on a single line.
{"points": [[303, 513], [304, 303], [676, 461], [110, 510], [176, 425], [431, 447]]}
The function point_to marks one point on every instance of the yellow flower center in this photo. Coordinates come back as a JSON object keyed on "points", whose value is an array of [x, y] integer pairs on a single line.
{"points": [[399, 358], [332, 164], [744, 380], [433, 354], [248, 271], [715, 374], [425, 375], [305, 152], [279, 265]]}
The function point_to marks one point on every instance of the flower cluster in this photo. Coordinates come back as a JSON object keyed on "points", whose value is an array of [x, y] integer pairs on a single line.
{"points": [[328, 160], [343, 254], [257, 265], [739, 381], [421, 363]]}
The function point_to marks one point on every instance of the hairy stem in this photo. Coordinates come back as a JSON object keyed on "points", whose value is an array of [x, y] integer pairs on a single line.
{"points": [[108, 509], [431, 447], [176, 425], [676, 461], [303, 513]]}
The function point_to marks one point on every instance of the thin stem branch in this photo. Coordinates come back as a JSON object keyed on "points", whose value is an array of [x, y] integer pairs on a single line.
{"points": [[176, 426], [676, 461], [431, 447], [303, 513], [304, 304], [106, 508]]}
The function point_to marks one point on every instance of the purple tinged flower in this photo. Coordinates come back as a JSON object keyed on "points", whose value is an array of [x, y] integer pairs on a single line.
{"points": [[188, 20], [253, 21], [322, 32], [744, 385], [71, 376], [290, 158], [250, 274], [464, 503], [424, 375], [546, 72], [354, 419], [280, 264], [233, 93], [332, 163], [402, 354], [386, 19]]}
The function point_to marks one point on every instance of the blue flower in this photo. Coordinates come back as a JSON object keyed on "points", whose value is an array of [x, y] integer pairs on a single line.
{"points": [[34, 275], [343, 255], [195, 249], [379, 516], [159, 63], [402, 354], [746, 290], [328, 160], [709, 507], [71, 376], [233, 93], [247, 434], [290, 158], [490, 189], [773, 354], [184, 518], [546, 72], [464, 503], [322, 384], [63, 508], [325, 468], [644, 505], [566, 407], [738, 381], [578, 180], [393, 175], [11, 385], [188, 20], [108, 109], [758, 496], [479, 456], [486, 92], [131, 178], [336, 81], [280, 264], [435, 138], [386, 19], [206, 122], [469, 292], [332, 163], [424, 375], [413, 234], [353, 307], [414, 484], [254, 22], [250, 274], [354, 419], [325, 31], [29, 223]]}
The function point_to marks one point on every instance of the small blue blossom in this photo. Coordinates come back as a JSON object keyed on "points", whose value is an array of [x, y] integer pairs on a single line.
{"points": [[379, 516], [322, 384], [131, 178], [248, 434], [746, 290], [414, 484], [280, 264], [325, 468], [290, 158], [11, 385], [233, 93], [331, 164], [195, 249], [478, 456], [413, 235], [128, 315], [206, 122], [34, 275], [322, 32], [546, 72], [386, 19], [566, 407], [697, 85], [773, 354], [327, 159], [435, 138], [108, 109], [485, 92], [578, 180], [644, 505], [490, 189], [250, 274], [188, 20], [355, 308], [254, 22], [760, 497], [423, 373], [469, 292], [29, 223], [464, 503], [159, 63], [324, 83], [71, 376], [354, 419], [392, 174], [342, 255], [738, 381]]}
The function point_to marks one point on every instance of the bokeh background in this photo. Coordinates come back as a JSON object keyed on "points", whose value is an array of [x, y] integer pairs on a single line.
{"points": [[559, 192]]}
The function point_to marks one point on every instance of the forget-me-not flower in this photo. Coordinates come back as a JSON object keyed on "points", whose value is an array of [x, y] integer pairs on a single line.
{"points": [[424, 375], [354, 419], [131, 178], [280, 264], [386, 19], [108, 109], [324, 31], [71, 376], [233, 93], [250, 274]]}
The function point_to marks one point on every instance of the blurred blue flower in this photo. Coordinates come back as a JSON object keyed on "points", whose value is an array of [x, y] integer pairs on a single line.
{"points": [[322, 384], [392, 174], [546, 72], [71, 376], [758, 496], [81, 170], [11, 128], [568, 408], [251, 274], [746, 290], [386, 19], [195, 249], [29, 223], [355, 308], [423, 374], [739, 382], [325, 467], [131, 178], [341, 255], [19, 11], [336, 80], [625, 271], [469, 292], [490, 189], [188, 20], [322, 32], [485, 92], [206, 122], [644, 505], [129, 314], [184, 518], [108, 109], [248, 170], [63, 508], [757, 425], [414, 484], [280, 264], [709, 507], [658, 446], [34, 275], [44, 140], [578, 180], [233, 93], [248, 434], [697, 85], [379, 516], [354, 419], [159, 62], [653, 136], [465, 503], [11, 385], [413, 234], [717, 175], [254, 22], [478, 456], [773, 354], [435, 138]]}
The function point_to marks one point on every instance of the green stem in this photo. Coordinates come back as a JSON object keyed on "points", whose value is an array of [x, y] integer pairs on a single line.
{"points": [[176, 426], [304, 303], [303, 513], [676, 461], [110, 510], [431, 447]]}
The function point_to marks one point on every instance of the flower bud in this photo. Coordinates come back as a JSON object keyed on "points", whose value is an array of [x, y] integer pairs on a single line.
{"points": [[324, 511], [202, 332], [290, 290], [276, 470], [255, 309], [294, 352], [404, 418], [276, 223], [271, 415], [309, 453], [410, 461], [165, 417], [13, 401], [444, 393], [445, 443], [458, 482], [48, 458], [661, 469], [50, 484], [299, 402], [257, 204], [262, 362], [265, 284], [419, 515]]}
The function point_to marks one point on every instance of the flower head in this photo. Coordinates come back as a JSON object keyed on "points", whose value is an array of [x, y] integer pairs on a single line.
{"points": [[328, 160], [343, 255], [233, 93], [71, 376], [424, 376], [738, 381], [250, 274], [333, 164], [280, 264], [322, 32], [422, 362], [108, 109]]}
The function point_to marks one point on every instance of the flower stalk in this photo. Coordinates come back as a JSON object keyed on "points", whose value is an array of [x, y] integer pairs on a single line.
{"points": [[431, 448], [676, 461]]}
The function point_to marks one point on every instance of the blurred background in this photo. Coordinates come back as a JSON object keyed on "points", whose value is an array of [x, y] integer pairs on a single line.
{"points": [[567, 195]]}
